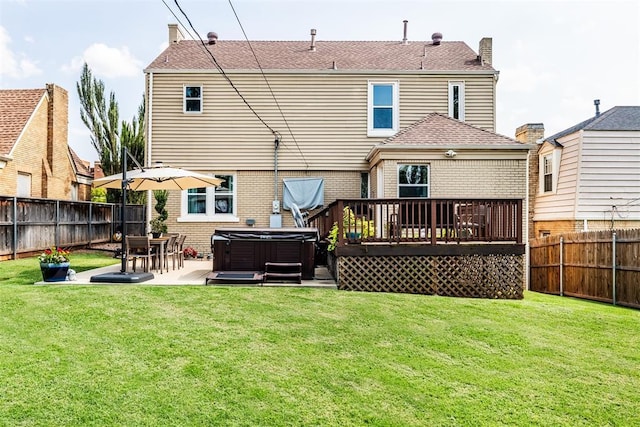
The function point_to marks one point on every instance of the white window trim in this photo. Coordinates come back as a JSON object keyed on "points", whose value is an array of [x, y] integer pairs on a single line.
{"points": [[555, 170], [396, 108], [184, 99], [210, 215], [409, 185], [461, 94]]}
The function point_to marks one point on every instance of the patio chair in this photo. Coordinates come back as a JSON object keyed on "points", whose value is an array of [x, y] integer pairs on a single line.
{"points": [[180, 250], [471, 220], [139, 247], [169, 251]]}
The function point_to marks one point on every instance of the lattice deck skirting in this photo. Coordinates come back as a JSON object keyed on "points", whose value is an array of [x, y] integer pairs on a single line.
{"points": [[471, 276]]}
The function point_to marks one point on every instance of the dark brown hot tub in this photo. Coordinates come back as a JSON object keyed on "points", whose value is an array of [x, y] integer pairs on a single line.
{"points": [[249, 249]]}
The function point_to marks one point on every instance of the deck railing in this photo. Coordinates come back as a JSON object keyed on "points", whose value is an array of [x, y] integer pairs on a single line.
{"points": [[421, 220]]}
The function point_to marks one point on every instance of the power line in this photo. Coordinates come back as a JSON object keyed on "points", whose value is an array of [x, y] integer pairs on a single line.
{"points": [[219, 67], [268, 85]]}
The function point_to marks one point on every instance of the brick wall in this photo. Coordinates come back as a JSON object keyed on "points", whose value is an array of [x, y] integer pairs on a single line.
{"points": [[572, 226], [59, 181], [530, 133], [28, 156], [255, 193]]}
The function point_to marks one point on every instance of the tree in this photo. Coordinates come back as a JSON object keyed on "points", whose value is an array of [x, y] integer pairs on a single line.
{"points": [[102, 120]]}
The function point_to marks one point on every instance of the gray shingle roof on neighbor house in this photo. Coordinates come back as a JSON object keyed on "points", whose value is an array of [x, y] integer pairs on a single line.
{"points": [[437, 129], [617, 119], [297, 55]]}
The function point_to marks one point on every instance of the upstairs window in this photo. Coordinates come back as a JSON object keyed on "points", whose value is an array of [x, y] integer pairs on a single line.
{"points": [[547, 173], [193, 99], [456, 100], [413, 180], [383, 116]]}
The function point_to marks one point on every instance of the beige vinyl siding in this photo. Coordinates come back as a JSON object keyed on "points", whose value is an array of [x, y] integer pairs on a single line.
{"points": [[326, 114], [561, 204], [609, 175]]}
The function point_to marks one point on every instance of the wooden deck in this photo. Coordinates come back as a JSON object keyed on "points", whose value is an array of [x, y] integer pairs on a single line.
{"points": [[450, 247]]}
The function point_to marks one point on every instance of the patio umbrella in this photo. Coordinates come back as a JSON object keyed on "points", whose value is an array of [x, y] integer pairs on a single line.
{"points": [[159, 177]]}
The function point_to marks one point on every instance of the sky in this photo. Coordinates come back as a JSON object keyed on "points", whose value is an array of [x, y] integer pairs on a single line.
{"points": [[554, 57]]}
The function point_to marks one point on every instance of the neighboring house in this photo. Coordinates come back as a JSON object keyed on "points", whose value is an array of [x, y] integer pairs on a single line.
{"points": [[588, 176], [354, 114], [35, 160], [81, 187]]}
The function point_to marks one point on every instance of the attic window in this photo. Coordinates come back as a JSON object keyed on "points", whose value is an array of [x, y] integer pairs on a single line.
{"points": [[383, 112], [193, 99]]}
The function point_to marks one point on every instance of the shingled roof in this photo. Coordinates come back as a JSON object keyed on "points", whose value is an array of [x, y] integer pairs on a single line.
{"points": [[617, 119], [297, 55], [16, 108], [437, 129], [82, 167]]}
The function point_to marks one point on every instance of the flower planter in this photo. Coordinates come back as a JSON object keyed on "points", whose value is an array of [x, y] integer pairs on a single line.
{"points": [[54, 272]]}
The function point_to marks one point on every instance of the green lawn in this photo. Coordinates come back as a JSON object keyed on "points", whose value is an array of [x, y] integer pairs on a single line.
{"points": [[177, 356]]}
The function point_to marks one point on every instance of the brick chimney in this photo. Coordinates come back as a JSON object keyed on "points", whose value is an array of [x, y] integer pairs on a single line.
{"points": [[485, 50], [175, 35], [530, 133], [58, 184]]}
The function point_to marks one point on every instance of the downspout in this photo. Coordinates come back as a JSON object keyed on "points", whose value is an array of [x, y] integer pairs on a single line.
{"points": [[527, 276], [276, 144], [148, 112]]}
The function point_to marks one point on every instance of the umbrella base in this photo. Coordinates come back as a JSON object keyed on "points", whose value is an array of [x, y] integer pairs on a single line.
{"points": [[122, 277]]}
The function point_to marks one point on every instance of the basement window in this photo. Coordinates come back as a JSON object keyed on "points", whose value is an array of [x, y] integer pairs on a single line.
{"points": [[193, 99]]}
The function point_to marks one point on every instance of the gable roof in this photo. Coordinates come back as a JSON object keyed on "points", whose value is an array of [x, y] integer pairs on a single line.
{"points": [[297, 55], [437, 129], [16, 108], [81, 167], [616, 119]]}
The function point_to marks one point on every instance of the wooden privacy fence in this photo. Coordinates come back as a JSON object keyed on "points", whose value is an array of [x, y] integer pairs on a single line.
{"points": [[598, 265], [29, 225]]}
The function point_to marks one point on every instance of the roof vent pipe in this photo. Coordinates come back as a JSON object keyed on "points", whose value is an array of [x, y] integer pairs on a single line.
{"points": [[404, 37], [436, 38], [213, 37], [313, 40], [596, 102]]}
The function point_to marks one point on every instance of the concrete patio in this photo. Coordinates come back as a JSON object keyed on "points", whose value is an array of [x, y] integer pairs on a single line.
{"points": [[193, 273]]}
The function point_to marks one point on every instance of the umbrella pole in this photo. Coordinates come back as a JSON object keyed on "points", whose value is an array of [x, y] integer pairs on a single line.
{"points": [[123, 212]]}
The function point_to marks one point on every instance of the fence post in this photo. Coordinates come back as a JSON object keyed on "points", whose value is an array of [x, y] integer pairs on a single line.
{"points": [[90, 223], [613, 266], [56, 237], [561, 267], [15, 228]]}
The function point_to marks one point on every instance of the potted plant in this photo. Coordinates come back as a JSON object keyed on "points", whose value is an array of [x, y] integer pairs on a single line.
{"points": [[189, 252], [158, 226], [353, 228], [54, 264]]}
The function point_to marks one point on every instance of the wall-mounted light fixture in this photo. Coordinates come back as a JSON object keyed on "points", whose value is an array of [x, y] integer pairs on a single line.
{"points": [[450, 153]]}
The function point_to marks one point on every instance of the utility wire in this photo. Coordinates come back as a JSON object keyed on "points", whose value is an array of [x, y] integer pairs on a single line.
{"points": [[268, 85], [219, 67]]}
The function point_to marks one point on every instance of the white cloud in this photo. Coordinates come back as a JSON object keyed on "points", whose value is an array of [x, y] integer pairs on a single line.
{"points": [[106, 61], [13, 65], [524, 79]]}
